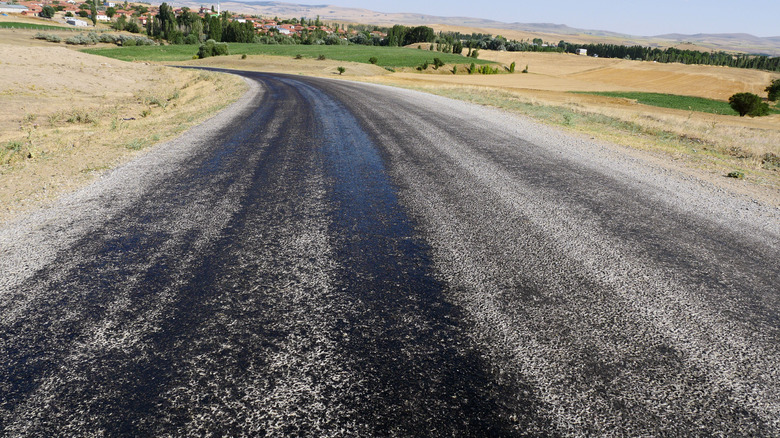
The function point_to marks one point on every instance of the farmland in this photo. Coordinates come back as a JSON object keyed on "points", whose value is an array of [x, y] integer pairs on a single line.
{"points": [[391, 57]]}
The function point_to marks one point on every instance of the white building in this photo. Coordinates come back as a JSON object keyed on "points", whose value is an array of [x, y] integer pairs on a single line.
{"points": [[76, 22], [582, 52]]}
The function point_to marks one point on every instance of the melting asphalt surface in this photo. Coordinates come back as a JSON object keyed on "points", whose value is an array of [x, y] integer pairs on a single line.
{"points": [[328, 258]]}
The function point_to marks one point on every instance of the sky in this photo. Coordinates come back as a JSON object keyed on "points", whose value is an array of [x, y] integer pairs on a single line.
{"points": [[633, 17]]}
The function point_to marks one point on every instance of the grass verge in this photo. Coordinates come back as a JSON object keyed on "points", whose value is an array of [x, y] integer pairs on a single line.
{"points": [[674, 101], [385, 56]]}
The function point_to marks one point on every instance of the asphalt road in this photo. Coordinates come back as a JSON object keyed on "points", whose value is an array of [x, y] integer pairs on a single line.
{"points": [[328, 258]]}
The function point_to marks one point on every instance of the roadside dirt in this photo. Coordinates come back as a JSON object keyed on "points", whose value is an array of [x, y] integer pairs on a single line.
{"points": [[67, 116]]}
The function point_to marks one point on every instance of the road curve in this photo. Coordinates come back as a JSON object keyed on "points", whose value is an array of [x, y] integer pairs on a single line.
{"points": [[328, 258]]}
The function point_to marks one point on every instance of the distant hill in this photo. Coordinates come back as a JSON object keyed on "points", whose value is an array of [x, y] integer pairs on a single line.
{"points": [[726, 42]]}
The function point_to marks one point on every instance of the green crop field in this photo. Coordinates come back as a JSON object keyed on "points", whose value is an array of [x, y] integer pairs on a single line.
{"points": [[688, 103], [13, 25], [386, 56]]}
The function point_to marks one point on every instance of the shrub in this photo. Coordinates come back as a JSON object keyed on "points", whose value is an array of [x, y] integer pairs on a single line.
{"points": [[48, 37], [512, 67], [341, 70], [773, 90], [736, 174], [299, 56], [243, 56], [191, 39], [321, 58], [133, 27], [475, 54], [130, 42], [454, 69], [525, 70], [212, 48], [748, 104], [437, 63], [373, 60]]}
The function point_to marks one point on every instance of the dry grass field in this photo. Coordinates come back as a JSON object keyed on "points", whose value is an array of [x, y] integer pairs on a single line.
{"points": [[67, 116]]}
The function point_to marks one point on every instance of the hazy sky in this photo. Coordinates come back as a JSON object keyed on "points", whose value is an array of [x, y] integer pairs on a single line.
{"points": [[635, 17]]}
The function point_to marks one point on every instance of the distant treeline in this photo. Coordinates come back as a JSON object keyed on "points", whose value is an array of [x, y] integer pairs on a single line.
{"points": [[761, 62]]}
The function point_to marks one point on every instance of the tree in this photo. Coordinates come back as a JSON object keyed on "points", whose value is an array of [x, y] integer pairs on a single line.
{"points": [[93, 13], [457, 48], [437, 63], [773, 90], [120, 23], [748, 104], [341, 70], [47, 12], [373, 60], [110, 12], [215, 29]]}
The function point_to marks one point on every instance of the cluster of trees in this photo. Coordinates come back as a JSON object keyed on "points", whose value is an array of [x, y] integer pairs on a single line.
{"points": [[760, 62], [489, 42], [400, 36], [190, 28]]}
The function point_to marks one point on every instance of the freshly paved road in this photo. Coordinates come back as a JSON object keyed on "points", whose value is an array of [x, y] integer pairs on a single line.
{"points": [[328, 258]]}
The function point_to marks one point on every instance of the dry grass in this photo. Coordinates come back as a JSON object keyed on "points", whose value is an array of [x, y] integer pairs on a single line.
{"points": [[67, 116]]}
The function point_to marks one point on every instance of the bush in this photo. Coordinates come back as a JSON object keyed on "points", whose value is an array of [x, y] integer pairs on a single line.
{"points": [[475, 54], [773, 90], [341, 70], [48, 37], [191, 39], [321, 58], [373, 60], [512, 67], [212, 48], [748, 104], [437, 63], [133, 27], [243, 56], [736, 174]]}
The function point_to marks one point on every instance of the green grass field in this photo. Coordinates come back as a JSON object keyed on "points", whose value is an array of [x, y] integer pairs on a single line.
{"points": [[688, 103], [13, 25], [386, 56]]}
